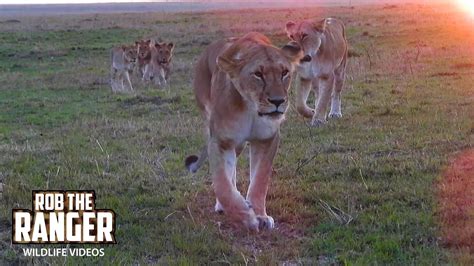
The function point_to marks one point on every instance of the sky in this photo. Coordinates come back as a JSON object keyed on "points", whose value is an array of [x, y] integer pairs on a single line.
{"points": [[71, 1], [129, 1]]}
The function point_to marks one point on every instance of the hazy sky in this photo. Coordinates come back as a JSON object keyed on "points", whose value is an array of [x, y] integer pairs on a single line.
{"points": [[70, 1], [128, 1]]}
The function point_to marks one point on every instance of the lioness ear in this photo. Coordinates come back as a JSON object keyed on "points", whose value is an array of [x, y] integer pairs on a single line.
{"points": [[320, 25], [171, 46], [293, 52], [228, 63], [290, 26]]}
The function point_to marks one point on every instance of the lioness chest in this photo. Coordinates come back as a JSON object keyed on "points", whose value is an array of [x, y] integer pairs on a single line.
{"points": [[247, 128], [316, 68]]}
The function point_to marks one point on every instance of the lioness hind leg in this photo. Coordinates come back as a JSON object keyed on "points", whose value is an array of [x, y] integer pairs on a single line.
{"points": [[340, 76], [326, 85]]}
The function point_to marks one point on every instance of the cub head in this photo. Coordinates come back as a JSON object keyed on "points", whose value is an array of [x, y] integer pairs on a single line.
{"points": [[164, 52], [130, 53], [143, 49], [260, 72], [308, 35]]}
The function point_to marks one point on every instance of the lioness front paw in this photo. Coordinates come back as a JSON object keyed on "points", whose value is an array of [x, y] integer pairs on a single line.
{"points": [[218, 208], [335, 115], [250, 221], [304, 111], [265, 222]]}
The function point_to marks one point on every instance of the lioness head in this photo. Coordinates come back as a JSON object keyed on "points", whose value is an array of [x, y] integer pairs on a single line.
{"points": [[130, 53], [308, 35], [164, 52], [143, 49], [261, 72]]}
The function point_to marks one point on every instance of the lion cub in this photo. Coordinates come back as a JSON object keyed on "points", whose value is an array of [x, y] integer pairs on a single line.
{"points": [[241, 86], [123, 62], [160, 66], [144, 56]]}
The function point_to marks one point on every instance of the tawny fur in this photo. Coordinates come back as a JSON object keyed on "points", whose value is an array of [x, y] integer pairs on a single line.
{"points": [[241, 87], [160, 66], [144, 56], [123, 62], [324, 43]]}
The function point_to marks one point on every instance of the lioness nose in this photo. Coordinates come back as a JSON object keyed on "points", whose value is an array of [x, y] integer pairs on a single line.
{"points": [[276, 101], [306, 58]]}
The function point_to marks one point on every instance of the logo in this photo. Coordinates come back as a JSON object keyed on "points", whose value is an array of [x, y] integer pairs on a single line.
{"points": [[59, 217]]}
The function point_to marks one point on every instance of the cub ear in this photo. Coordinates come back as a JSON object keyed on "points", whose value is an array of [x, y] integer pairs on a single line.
{"points": [[158, 44], [137, 43], [171, 46], [293, 52], [290, 27], [320, 25], [148, 41], [228, 63]]}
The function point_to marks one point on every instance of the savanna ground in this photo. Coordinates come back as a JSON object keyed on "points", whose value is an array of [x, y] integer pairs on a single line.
{"points": [[361, 190]]}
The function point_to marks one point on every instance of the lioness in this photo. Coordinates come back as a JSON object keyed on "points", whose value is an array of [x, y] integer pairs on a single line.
{"points": [[144, 56], [323, 65], [241, 86], [160, 66], [123, 61]]}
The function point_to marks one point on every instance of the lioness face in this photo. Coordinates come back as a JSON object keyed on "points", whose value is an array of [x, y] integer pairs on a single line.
{"points": [[266, 83], [143, 49], [308, 35], [262, 76], [164, 52]]}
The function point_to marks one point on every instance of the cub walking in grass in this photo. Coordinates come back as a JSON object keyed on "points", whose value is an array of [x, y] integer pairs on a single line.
{"points": [[123, 61], [160, 66], [144, 56], [323, 67]]}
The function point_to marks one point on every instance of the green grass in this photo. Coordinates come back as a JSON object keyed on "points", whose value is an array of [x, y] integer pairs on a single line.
{"points": [[62, 128]]}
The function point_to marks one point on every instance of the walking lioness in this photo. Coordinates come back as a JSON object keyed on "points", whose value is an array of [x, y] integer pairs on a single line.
{"points": [[323, 66], [241, 86]]}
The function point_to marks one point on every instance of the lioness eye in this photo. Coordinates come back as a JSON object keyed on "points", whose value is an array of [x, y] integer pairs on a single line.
{"points": [[291, 37], [284, 73], [258, 74], [303, 36]]}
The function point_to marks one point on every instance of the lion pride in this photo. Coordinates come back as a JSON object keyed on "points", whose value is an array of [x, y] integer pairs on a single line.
{"points": [[323, 66], [241, 87]]}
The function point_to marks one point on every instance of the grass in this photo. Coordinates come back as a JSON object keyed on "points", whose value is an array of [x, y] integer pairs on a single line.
{"points": [[61, 128]]}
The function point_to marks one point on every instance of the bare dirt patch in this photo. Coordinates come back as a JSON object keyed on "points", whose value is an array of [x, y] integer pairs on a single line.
{"points": [[285, 238], [456, 203], [463, 65]]}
